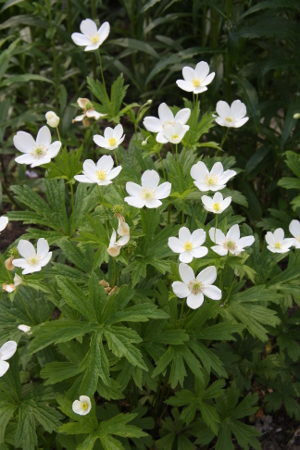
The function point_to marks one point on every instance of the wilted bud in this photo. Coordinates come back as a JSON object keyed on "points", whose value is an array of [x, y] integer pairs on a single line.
{"points": [[296, 116], [123, 228], [107, 289], [17, 280], [114, 250], [8, 263], [9, 288], [86, 122], [103, 283], [52, 119], [24, 328], [113, 290]]}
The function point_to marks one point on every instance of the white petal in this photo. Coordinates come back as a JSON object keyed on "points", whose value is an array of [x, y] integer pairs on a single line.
{"points": [[160, 138], [222, 122], [294, 228], [184, 234], [42, 248], [83, 179], [186, 257], [200, 89], [88, 27], [180, 289], [133, 188], [270, 238], [105, 163], [198, 237], [238, 109], [24, 142], [199, 252], [79, 118], [245, 241], [150, 179], [29, 268], [175, 245], [226, 176], [185, 85], [183, 116], [80, 39], [153, 203], [77, 407], [234, 233], [123, 240], [186, 273], [207, 202], [24, 328], [212, 292], [103, 32], [4, 366], [217, 236], [188, 73], [25, 248], [226, 202], [3, 222], [152, 124], [118, 132], [119, 142], [8, 350], [220, 250], [25, 159], [203, 187], [207, 276], [114, 173], [113, 238], [43, 137], [195, 301], [240, 123], [163, 191], [91, 47], [137, 202], [43, 262], [287, 243], [19, 262], [217, 169], [199, 171], [164, 113], [279, 235], [223, 109], [208, 79], [53, 149], [202, 70]]}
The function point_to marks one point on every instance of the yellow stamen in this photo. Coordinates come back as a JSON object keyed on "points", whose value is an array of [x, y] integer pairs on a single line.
{"points": [[101, 174], [147, 193], [195, 287], [33, 259], [84, 406], [175, 136], [230, 245], [229, 119], [211, 180], [39, 151], [278, 245], [216, 207], [188, 246], [112, 141], [94, 38], [196, 82]]}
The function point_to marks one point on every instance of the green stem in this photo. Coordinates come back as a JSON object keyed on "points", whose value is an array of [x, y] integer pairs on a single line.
{"points": [[102, 75], [216, 224], [162, 164], [182, 211], [177, 153], [115, 273], [104, 209], [227, 298], [181, 313], [72, 202], [116, 157], [58, 134]]}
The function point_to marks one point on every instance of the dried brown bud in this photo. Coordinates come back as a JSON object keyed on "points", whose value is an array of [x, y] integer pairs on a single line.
{"points": [[86, 122], [103, 283], [113, 290], [107, 289], [8, 263], [9, 288]]}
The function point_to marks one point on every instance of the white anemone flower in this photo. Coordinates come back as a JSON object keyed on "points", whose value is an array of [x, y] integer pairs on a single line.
{"points": [[231, 116], [24, 328], [175, 134], [189, 245], [295, 231], [166, 117], [36, 152], [32, 260], [52, 119], [6, 352], [82, 406], [277, 243], [90, 37], [115, 246], [214, 180], [216, 204], [196, 80], [3, 222], [149, 194], [88, 110], [193, 288], [101, 173], [232, 242], [112, 138]]}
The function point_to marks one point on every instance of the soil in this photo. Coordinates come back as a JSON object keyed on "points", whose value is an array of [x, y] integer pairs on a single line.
{"points": [[12, 232]]}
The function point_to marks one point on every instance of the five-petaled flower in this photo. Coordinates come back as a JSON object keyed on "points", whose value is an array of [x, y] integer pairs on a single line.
{"points": [[232, 242], [82, 406], [277, 243], [231, 116], [6, 352], [149, 194], [189, 245], [193, 288], [112, 138], [214, 180], [216, 204], [90, 37], [175, 133], [196, 80], [36, 152], [32, 260], [88, 110], [294, 228], [166, 117], [101, 173]]}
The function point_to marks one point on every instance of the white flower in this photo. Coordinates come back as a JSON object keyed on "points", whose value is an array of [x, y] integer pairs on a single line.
{"points": [[231, 116], [196, 80], [295, 231], [112, 138], [100, 173], [52, 119], [115, 246], [149, 194], [232, 242], [32, 260], [24, 328], [36, 152], [215, 180], [91, 38], [189, 244], [6, 352], [82, 406], [277, 243], [195, 288], [166, 117], [175, 134], [216, 204], [88, 110], [3, 222]]}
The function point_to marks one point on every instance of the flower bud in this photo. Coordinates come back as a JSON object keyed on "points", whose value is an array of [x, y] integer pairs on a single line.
{"points": [[145, 141], [149, 101], [296, 116], [107, 289], [103, 283], [113, 290], [52, 119]]}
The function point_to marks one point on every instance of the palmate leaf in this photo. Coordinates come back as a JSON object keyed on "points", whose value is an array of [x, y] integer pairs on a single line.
{"points": [[6, 412]]}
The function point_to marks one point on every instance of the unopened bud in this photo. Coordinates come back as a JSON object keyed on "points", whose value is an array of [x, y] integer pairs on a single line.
{"points": [[113, 290], [118, 209], [145, 141], [149, 101], [52, 119], [8, 263], [296, 116]]}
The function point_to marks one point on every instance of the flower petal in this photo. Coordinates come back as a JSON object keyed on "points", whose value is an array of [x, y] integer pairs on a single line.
{"points": [[8, 350], [133, 188], [217, 236], [153, 203], [270, 238], [42, 248], [163, 191], [212, 292], [199, 171], [226, 176], [108, 132], [180, 289], [294, 228], [3, 222], [234, 233], [186, 257], [199, 252], [25, 248], [208, 79], [219, 249], [84, 179], [195, 301], [207, 276], [88, 27], [152, 124], [118, 132], [103, 32], [186, 273], [164, 113], [241, 122], [160, 138], [43, 137], [114, 173], [279, 235], [245, 241], [80, 39], [4, 366], [183, 116], [238, 109], [77, 407], [137, 202], [223, 109], [100, 141], [185, 85], [188, 74], [24, 142], [150, 179], [207, 202], [25, 159], [202, 70], [198, 237], [217, 169], [175, 245], [105, 163], [184, 234]]}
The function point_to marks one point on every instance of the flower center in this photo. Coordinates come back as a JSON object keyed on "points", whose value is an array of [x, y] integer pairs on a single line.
{"points": [[278, 245], [94, 38], [33, 259], [216, 206], [211, 180], [39, 151], [230, 245], [229, 119], [188, 246], [168, 122], [195, 287], [84, 406], [101, 174], [112, 141], [147, 193], [196, 82], [175, 136]]}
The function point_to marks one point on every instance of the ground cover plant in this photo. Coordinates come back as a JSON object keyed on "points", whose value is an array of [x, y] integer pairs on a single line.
{"points": [[152, 298]]}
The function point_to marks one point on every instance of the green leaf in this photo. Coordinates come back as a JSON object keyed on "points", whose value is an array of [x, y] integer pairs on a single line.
{"points": [[55, 372], [26, 435], [24, 79], [6, 412], [76, 298]]}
